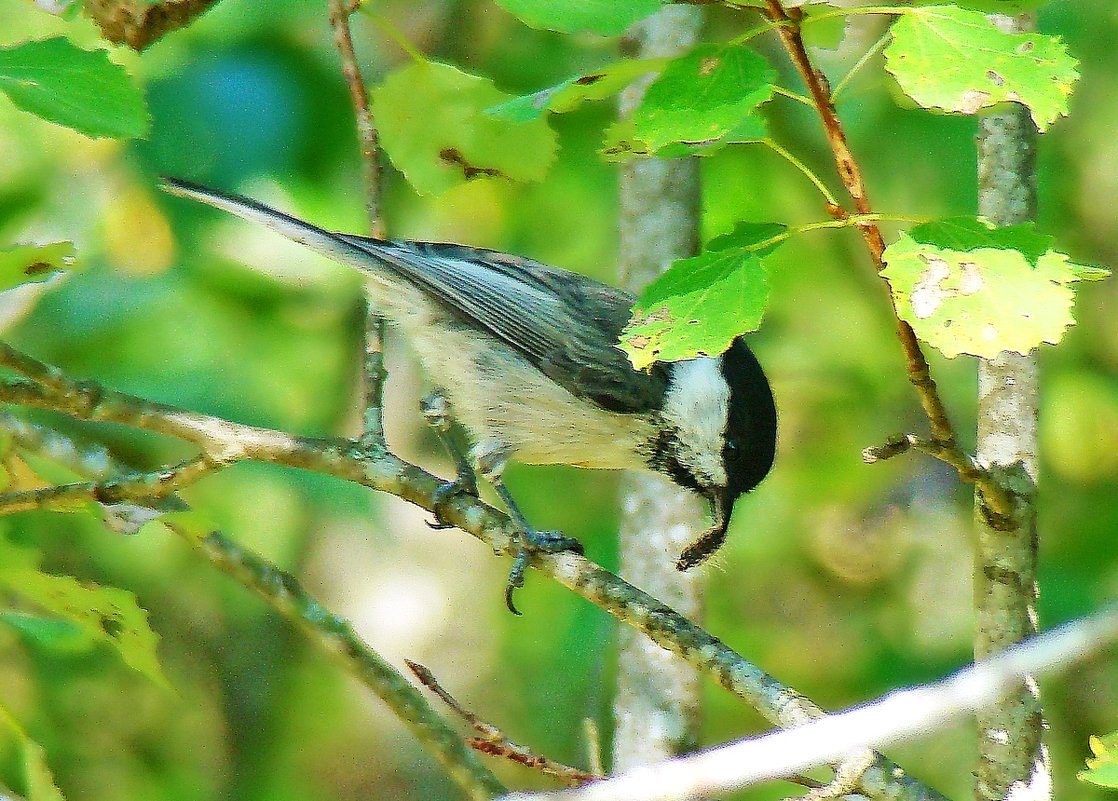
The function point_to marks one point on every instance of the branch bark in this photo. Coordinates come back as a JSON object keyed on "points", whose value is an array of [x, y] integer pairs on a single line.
{"points": [[373, 374], [900, 715], [227, 442], [657, 704], [1012, 756], [919, 375], [281, 591]]}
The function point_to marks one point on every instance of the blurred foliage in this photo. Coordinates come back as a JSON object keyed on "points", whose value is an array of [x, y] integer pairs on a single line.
{"points": [[842, 579]]}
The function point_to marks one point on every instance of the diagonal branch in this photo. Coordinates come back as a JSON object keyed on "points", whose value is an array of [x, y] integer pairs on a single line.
{"points": [[900, 715], [380, 470], [919, 375], [281, 591]]}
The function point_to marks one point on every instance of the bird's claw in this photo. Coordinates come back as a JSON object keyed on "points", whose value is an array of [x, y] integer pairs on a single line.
{"points": [[533, 542], [464, 484]]}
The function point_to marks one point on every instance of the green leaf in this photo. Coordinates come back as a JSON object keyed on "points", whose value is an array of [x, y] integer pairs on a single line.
{"points": [[753, 236], [725, 113], [974, 292], [697, 307], [956, 60], [572, 92], [990, 6], [621, 142], [51, 632], [703, 96], [432, 126], [25, 264], [1102, 769], [607, 17], [971, 233], [80, 89], [107, 614], [38, 780]]}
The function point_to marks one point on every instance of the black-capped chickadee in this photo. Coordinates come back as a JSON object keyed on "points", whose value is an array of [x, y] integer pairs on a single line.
{"points": [[527, 356]]}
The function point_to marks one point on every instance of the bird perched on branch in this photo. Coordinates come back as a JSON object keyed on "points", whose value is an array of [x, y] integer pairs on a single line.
{"points": [[525, 357]]}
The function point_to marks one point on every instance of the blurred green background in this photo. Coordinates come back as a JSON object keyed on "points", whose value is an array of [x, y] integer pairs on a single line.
{"points": [[841, 579]]}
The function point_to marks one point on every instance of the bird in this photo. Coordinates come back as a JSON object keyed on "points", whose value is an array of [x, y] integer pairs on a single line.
{"points": [[525, 358]]}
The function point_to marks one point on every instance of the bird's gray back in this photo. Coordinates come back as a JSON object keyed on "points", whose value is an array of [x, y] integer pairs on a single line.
{"points": [[563, 323]]}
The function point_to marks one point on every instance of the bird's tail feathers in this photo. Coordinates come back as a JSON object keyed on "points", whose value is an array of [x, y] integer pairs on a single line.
{"points": [[329, 244]]}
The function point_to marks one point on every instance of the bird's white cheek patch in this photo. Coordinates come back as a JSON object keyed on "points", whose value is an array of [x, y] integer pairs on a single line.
{"points": [[696, 405]]}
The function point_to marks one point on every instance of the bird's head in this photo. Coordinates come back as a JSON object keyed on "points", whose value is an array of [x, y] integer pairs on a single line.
{"points": [[718, 435]]}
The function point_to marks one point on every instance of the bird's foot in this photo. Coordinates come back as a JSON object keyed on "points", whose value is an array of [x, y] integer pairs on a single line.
{"points": [[465, 483], [534, 542]]}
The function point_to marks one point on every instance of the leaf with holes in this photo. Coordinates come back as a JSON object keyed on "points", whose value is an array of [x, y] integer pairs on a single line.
{"points": [[955, 59], [80, 89], [25, 264], [573, 92], [984, 299], [622, 144], [433, 126], [107, 614], [703, 96], [606, 17], [697, 307]]}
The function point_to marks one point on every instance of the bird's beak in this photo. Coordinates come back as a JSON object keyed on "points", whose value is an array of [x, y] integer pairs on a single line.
{"points": [[721, 507]]}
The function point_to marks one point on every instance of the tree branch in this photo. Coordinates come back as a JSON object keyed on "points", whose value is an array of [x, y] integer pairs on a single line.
{"points": [[656, 706], [280, 590], [491, 740], [380, 470], [1010, 744], [919, 375], [900, 715], [373, 374]]}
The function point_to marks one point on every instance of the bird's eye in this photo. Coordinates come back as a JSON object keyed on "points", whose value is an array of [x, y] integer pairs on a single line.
{"points": [[732, 450]]}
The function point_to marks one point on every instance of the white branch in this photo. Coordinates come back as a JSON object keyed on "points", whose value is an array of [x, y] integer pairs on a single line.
{"points": [[900, 715]]}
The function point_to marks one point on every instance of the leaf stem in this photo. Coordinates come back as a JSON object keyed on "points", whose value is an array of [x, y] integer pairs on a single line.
{"points": [[878, 46], [803, 168], [755, 31], [850, 12], [780, 90], [850, 173], [393, 33]]}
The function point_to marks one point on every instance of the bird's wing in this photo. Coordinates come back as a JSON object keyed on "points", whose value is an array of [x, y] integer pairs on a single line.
{"points": [[565, 324]]}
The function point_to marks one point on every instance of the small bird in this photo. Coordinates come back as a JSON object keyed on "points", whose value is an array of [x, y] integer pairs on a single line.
{"points": [[526, 359]]}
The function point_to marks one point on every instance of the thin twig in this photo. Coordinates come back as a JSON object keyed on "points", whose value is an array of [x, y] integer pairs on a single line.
{"points": [[849, 171], [373, 374], [335, 635], [966, 466], [493, 741], [133, 487]]}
